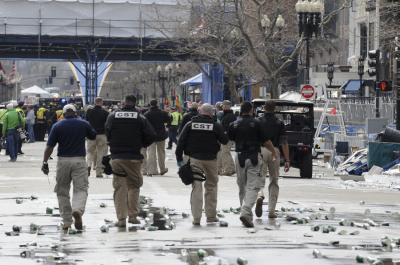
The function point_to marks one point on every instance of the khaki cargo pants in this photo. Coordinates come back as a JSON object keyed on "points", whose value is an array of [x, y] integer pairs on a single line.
{"points": [[144, 166], [210, 170], [71, 169], [96, 150], [159, 148], [127, 189], [249, 182], [228, 166], [273, 168]]}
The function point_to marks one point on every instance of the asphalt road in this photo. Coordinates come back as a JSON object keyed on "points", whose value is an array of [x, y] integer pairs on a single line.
{"points": [[134, 245]]}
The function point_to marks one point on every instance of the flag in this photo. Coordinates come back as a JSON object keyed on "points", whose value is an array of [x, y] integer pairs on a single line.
{"points": [[178, 104], [333, 111], [2, 69], [12, 73]]}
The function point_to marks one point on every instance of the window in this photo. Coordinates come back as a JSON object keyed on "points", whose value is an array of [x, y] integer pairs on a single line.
{"points": [[371, 34], [363, 40]]}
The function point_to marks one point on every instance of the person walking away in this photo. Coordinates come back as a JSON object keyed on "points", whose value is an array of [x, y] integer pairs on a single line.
{"points": [[36, 125], [58, 115], [219, 115], [277, 131], [2, 113], [30, 121], [200, 139], [228, 166], [22, 112], [188, 117], [247, 133], [70, 135], [11, 121], [157, 118], [97, 118], [53, 109], [42, 120], [127, 132], [173, 129]]}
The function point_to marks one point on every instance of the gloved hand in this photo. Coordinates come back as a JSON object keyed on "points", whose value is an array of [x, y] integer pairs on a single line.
{"points": [[180, 164]]}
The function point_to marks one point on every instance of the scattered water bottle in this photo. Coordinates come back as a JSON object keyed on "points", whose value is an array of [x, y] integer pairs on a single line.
{"points": [[316, 253]]}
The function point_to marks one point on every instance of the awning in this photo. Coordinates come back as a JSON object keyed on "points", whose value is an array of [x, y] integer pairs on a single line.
{"points": [[351, 87], [194, 81]]}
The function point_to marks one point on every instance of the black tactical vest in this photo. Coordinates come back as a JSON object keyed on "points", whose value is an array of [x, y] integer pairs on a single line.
{"points": [[126, 133], [202, 138], [273, 125], [247, 139]]}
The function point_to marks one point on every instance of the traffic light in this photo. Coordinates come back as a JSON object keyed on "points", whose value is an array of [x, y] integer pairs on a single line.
{"points": [[166, 101], [53, 71], [71, 81], [385, 86], [373, 62], [50, 80]]}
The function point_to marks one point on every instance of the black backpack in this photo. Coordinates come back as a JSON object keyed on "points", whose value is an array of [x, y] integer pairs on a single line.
{"points": [[107, 167], [187, 175]]}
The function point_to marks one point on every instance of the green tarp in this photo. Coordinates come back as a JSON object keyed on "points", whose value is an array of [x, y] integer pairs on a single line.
{"points": [[381, 154]]}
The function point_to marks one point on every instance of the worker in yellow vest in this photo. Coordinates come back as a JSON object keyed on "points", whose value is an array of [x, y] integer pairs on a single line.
{"points": [[43, 116], [173, 128], [58, 115]]}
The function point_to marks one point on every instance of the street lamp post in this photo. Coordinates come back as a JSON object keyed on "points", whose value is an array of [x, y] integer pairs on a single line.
{"points": [[330, 71], [309, 17], [361, 72], [162, 77]]}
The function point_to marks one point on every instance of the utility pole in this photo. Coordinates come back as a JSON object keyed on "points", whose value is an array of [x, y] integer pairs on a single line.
{"points": [[396, 88]]}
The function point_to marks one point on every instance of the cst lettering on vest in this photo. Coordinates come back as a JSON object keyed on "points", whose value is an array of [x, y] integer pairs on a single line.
{"points": [[124, 115], [202, 126]]}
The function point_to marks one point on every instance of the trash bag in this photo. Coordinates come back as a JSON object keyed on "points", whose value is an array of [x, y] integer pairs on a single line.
{"points": [[391, 135]]}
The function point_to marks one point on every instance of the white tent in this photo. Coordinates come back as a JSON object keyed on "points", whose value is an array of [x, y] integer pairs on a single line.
{"points": [[34, 91]]}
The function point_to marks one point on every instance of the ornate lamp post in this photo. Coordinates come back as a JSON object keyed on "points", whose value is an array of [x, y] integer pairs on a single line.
{"points": [[361, 72], [309, 17]]}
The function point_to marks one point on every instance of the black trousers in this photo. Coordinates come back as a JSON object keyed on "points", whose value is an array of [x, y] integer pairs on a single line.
{"points": [[42, 131], [172, 133], [36, 131]]}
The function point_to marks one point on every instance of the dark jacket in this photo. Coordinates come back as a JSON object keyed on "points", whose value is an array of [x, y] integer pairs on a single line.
{"points": [[128, 132], [227, 119], [188, 117], [157, 119], [203, 147], [97, 118]]}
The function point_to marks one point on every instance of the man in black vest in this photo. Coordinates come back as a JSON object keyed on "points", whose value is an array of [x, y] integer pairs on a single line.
{"points": [[127, 132], [97, 118], [157, 118], [200, 140], [247, 133], [228, 166], [277, 131], [188, 117]]}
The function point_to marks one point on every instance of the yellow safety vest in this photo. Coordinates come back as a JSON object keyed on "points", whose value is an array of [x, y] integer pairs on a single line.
{"points": [[2, 113], [175, 118], [40, 113], [21, 111], [60, 115]]}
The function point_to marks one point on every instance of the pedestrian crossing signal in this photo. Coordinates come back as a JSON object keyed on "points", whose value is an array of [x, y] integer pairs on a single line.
{"points": [[166, 101], [386, 86]]}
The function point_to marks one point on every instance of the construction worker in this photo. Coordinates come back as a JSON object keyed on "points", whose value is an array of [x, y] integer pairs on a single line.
{"points": [[58, 115], [42, 120], [173, 129], [2, 113]]}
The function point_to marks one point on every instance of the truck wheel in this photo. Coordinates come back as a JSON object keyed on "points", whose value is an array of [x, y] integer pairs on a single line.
{"points": [[306, 167]]}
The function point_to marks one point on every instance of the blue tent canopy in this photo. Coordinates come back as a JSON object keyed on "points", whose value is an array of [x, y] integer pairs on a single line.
{"points": [[351, 87], [194, 81]]}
